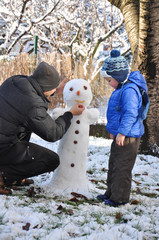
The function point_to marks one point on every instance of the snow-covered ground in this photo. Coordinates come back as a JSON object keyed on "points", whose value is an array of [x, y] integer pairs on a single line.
{"points": [[30, 214]]}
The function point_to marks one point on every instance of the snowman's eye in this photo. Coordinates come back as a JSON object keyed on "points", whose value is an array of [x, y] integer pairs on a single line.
{"points": [[71, 89], [85, 87]]}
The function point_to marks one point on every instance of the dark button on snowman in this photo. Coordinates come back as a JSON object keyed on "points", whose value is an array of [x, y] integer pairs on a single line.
{"points": [[72, 150]]}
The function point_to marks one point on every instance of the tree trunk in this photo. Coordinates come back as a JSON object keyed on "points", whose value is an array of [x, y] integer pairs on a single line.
{"points": [[152, 76], [142, 25]]}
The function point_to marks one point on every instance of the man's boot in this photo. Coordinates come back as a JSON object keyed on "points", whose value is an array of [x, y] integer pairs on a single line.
{"points": [[23, 182], [3, 189]]}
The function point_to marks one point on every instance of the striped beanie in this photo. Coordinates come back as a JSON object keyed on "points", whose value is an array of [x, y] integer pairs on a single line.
{"points": [[115, 66]]}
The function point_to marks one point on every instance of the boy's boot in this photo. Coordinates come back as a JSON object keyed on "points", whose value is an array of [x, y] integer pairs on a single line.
{"points": [[3, 189], [102, 197]]}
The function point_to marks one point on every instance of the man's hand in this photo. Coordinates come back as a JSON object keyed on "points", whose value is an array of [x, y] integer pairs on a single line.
{"points": [[77, 109], [120, 139], [59, 89]]}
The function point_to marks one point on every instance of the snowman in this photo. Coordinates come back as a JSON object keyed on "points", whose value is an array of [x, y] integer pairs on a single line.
{"points": [[71, 176]]}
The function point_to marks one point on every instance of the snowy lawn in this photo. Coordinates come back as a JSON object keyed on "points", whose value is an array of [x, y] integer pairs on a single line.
{"points": [[30, 214]]}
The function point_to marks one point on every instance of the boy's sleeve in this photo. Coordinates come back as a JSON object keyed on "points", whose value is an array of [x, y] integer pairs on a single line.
{"points": [[129, 110]]}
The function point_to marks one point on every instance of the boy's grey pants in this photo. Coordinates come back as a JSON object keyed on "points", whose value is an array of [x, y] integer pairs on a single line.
{"points": [[121, 163]]}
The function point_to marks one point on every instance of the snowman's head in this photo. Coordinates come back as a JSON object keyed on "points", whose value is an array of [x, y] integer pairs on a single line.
{"points": [[77, 91]]}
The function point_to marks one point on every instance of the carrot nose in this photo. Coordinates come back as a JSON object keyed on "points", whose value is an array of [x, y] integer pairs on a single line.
{"points": [[78, 92]]}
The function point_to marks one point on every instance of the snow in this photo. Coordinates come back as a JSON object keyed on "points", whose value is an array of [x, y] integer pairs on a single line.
{"points": [[45, 217]]}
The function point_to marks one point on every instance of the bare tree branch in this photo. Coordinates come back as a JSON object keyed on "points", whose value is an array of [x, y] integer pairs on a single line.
{"points": [[47, 14], [107, 35]]}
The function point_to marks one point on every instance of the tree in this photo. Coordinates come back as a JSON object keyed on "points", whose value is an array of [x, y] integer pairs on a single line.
{"points": [[142, 25], [78, 27], [21, 20]]}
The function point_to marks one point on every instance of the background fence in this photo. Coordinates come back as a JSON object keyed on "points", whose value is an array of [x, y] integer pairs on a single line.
{"points": [[25, 64]]}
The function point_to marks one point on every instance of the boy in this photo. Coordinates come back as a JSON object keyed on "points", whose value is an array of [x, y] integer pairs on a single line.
{"points": [[124, 125]]}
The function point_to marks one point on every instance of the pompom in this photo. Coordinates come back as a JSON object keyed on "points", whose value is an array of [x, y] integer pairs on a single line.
{"points": [[115, 53]]}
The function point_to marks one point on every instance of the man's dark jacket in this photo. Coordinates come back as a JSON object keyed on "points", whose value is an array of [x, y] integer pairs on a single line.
{"points": [[23, 110]]}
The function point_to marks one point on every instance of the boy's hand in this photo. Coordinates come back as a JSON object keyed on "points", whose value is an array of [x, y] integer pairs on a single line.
{"points": [[77, 109], [111, 136], [120, 139]]}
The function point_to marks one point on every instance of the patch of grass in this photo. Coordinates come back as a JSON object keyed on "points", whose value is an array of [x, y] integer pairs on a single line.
{"points": [[142, 158], [135, 202], [73, 234], [85, 234], [90, 153], [90, 171], [76, 202], [99, 218], [101, 187], [138, 226], [1, 220], [107, 154], [73, 203], [150, 195], [138, 213], [119, 218], [83, 223], [44, 209], [54, 226]]}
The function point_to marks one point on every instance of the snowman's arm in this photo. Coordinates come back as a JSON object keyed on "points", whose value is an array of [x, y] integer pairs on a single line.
{"points": [[93, 115], [57, 112]]}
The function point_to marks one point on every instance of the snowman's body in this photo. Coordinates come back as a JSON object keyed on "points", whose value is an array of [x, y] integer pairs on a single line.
{"points": [[72, 150]]}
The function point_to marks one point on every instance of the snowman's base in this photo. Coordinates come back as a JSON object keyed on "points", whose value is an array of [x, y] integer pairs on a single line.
{"points": [[66, 190]]}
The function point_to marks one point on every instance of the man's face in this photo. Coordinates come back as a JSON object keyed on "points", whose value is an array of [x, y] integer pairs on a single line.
{"points": [[49, 93], [112, 82]]}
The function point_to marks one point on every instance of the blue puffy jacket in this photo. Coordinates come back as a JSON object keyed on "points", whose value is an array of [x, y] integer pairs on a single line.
{"points": [[124, 108]]}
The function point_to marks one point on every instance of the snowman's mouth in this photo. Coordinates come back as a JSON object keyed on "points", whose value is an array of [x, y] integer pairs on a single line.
{"points": [[79, 101]]}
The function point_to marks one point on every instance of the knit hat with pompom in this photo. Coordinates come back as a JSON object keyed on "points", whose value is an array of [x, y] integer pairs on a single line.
{"points": [[115, 66]]}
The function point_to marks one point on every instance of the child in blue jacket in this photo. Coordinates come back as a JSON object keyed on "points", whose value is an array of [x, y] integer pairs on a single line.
{"points": [[124, 125]]}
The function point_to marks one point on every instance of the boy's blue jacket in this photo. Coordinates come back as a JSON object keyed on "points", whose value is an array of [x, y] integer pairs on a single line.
{"points": [[124, 107]]}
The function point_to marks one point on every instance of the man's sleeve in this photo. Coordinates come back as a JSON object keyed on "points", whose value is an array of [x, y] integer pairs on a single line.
{"points": [[45, 127]]}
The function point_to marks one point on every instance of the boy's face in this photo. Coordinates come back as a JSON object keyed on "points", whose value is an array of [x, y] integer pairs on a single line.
{"points": [[112, 82]]}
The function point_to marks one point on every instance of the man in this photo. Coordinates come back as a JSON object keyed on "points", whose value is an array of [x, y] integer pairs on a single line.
{"points": [[23, 110]]}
